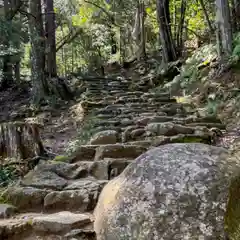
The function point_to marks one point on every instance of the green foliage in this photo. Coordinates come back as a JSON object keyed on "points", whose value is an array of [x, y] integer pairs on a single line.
{"points": [[190, 73], [236, 46], [7, 175], [3, 199]]}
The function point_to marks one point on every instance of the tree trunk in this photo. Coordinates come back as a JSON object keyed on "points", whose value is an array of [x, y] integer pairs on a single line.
{"points": [[181, 27], [168, 46], [235, 15], [138, 33], [143, 31], [37, 51], [7, 72], [17, 74], [50, 38], [7, 69], [43, 86], [224, 31], [20, 140]]}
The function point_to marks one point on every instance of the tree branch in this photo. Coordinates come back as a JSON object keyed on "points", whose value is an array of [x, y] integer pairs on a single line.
{"points": [[68, 39], [111, 18]]}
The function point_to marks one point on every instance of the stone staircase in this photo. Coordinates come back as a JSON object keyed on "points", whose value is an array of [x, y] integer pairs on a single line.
{"points": [[56, 199]]}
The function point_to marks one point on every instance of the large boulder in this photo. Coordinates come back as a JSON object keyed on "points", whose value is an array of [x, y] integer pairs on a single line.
{"points": [[176, 191]]}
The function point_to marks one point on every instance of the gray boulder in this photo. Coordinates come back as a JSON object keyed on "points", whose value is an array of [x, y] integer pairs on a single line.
{"points": [[176, 191]]}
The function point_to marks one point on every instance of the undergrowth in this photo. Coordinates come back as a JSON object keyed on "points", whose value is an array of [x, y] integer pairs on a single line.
{"points": [[7, 175]]}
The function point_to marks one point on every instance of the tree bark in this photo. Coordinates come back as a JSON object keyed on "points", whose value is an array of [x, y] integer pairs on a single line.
{"points": [[224, 31], [50, 38], [20, 140], [181, 27], [7, 65], [168, 46], [37, 51], [138, 33], [235, 15], [44, 84]]}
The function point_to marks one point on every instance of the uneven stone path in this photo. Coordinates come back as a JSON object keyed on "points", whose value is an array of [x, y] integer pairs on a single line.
{"points": [[56, 199]]}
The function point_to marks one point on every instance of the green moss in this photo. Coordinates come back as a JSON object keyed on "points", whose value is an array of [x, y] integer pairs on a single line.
{"points": [[3, 196], [61, 158], [232, 216], [190, 139]]}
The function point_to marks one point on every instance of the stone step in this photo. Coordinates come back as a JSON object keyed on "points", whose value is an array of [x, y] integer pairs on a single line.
{"points": [[40, 226], [119, 151], [106, 89], [98, 152], [106, 83], [101, 169], [143, 100], [46, 194], [208, 125]]}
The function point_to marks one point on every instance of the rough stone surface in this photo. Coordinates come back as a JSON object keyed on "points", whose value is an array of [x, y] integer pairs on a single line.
{"points": [[105, 137], [81, 195], [7, 210], [86, 152], [119, 151], [62, 169], [99, 170], [25, 198], [168, 129], [11, 229], [43, 179], [60, 222], [173, 192]]}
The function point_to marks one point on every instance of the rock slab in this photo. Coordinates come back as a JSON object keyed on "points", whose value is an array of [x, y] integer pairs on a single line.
{"points": [[60, 222]]}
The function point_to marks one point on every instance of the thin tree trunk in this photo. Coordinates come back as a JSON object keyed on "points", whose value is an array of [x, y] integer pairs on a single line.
{"points": [[63, 57], [206, 16], [113, 42], [143, 31], [235, 15], [175, 21], [51, 38], [168, 46], [17, 72], [7, 65], [181, 27]]}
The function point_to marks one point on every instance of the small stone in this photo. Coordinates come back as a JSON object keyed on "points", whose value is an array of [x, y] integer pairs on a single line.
{"points": [[60, 222]]}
